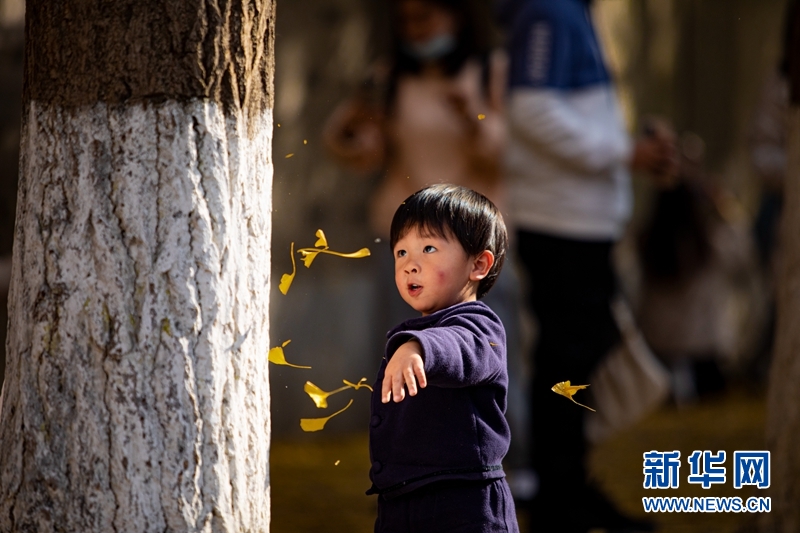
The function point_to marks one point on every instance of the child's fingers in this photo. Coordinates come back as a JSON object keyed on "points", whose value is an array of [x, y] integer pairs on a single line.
{"points": [[398, 392], [410, 380], [419, 371], [386, 389]]}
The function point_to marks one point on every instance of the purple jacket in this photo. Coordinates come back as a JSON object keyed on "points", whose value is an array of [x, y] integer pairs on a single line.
{"points": [[455, 428]]}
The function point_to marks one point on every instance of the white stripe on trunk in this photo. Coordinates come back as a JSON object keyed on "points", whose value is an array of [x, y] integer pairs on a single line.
{"points": [[136, 391]]}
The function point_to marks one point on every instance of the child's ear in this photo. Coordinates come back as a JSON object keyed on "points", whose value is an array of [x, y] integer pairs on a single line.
{"points": [[481, 265]]}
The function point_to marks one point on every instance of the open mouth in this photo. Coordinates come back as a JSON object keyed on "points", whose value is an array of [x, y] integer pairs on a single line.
{"points": [[414, 289]]}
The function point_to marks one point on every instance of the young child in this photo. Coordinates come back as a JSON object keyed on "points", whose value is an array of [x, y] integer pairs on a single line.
{"points": [[436, 455]]}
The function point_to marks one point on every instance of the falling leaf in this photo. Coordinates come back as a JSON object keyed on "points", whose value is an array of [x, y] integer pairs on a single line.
{"points": [[288, 156], [309, 254], [337, 462], [316, 424], [322, 242], [565, 389], [320, 397], [286, 279], [277, 356], [321, 247], [279, 125], [305, 141], [356, 386], [481, 116]]}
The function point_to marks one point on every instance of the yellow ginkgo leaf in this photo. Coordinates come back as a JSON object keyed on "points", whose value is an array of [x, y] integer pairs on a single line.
{"points": [[287, 279], [316, 424], [481, 116], [277, 356], [321, 247], [364, 252], [309, 254], [356, 386], [322, 242], [565, 389], [320, 397]]}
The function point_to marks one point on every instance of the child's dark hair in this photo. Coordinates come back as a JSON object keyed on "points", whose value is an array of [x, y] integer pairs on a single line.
{"points": [[448, 210]]}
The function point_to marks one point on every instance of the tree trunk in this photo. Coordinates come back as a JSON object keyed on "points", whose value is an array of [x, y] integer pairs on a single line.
{"points": [[783, 402], [136, 395], [783, 422]]}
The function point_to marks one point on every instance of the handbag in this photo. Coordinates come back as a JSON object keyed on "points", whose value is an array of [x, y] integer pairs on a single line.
{"points": [[629, 383]]}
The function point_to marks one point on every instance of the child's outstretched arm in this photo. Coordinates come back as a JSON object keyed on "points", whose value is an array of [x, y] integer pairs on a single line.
{"points": [[466, 348], [405, 368]]}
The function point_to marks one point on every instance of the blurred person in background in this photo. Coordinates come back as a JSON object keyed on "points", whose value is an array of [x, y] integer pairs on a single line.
{"points": [[433, 112], [691, 255], [568, 167]]}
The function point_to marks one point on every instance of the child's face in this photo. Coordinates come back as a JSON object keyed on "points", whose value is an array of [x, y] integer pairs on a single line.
{"points": [[433, 272]]}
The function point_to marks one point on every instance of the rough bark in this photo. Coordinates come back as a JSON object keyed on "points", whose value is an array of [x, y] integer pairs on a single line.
{"points": [[136, 395], [125, 51]]}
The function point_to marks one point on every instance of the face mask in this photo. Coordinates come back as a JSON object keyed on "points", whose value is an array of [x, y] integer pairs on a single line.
{"points": [[432, 49]]}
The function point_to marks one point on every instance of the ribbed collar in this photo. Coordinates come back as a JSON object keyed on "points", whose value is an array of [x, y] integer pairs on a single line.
{"points": [[422, 322]]}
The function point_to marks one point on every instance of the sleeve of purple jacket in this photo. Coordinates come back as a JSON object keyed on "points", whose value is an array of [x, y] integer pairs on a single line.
{"points": [[461, 350]]}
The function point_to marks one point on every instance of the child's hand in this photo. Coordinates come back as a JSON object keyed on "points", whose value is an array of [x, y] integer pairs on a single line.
{"points": [[404, 368]]}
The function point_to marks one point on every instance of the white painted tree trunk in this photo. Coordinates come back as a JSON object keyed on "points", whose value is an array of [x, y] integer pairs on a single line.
{"points": [[136, 395]]}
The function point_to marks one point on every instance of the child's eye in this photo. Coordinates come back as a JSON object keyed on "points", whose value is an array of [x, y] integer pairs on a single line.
{"points": [[401, 253], [429, 249]]}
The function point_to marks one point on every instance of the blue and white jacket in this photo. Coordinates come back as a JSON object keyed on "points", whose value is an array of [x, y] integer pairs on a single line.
{"points": [[567, 160]]}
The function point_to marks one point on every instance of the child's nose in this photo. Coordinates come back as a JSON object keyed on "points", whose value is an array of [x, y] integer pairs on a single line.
{"points": [[411, 267]]}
